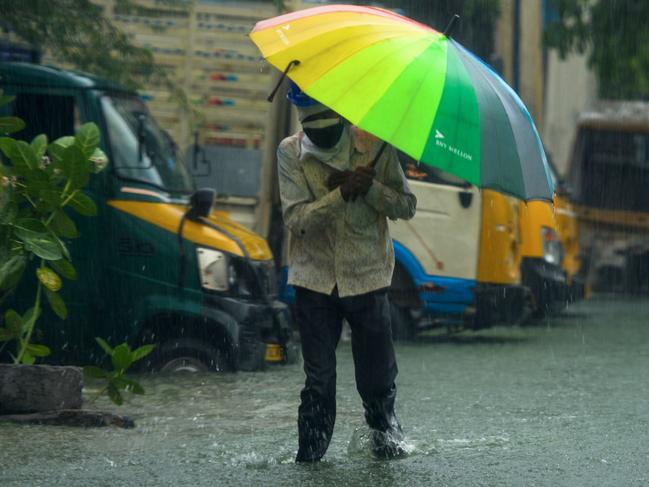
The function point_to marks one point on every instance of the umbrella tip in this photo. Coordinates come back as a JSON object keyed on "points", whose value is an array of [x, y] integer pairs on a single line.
{"points": [[451, 26]]}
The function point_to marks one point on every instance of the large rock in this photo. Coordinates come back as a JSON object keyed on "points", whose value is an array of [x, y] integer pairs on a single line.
{"points": [[34, 388]]}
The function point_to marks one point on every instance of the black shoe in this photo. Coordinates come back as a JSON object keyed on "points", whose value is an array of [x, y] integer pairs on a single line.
{"points": [[386, 445]]}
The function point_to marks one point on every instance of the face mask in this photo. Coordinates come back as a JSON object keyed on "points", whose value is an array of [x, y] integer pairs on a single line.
{"points": [[325, 137]]}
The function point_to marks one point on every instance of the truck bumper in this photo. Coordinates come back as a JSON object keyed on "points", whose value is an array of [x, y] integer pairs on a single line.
{"points": [[501, 304], [264, 331], [548, 285]]}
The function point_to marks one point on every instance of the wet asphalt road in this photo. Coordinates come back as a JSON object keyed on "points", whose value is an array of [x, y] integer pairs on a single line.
{"points": [[565, 402]]}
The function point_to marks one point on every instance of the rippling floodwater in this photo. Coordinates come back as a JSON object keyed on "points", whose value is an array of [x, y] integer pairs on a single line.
{"points": [[562, 403]]}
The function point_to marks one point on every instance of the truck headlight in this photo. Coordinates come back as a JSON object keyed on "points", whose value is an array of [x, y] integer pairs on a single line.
{"points": [[223, 272], [552, 249], [213, 267]]}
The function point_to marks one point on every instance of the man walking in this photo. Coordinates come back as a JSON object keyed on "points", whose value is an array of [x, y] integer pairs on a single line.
{"points": [[341, 261]]}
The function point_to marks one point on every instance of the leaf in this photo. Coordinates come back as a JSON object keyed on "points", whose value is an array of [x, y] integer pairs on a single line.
{"points": [[8, 213], [13, 328], [87, 138], [106, 348], [5, 99], [23, 156], [27, 358], [36, 238], [76, 166], [28, 226], [121, 358], [57, 304], [39, 144], [50, 196], [64, 268], [9, 125], [6, 146], [14, 322], [129, 385], [38, 350], [65, 141], [63, 248], [114, 394], [141, 352], [38, 180], [6, 335], [30, 317], [11, 271], [63, 225], [83, 204], [92, 372], [56, 148], [6, 170], [49, 278]]}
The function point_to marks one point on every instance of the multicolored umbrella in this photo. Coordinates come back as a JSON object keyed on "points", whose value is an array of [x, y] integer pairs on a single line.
{"points": [[413, 87]]}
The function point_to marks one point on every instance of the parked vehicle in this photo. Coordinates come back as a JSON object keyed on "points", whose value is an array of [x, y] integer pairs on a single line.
{"points": [[458, 258], [543, 257], [609, 176], [568, 229], [151, 269], [500, 294]]}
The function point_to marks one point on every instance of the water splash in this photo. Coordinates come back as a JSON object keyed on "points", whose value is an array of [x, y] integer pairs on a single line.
{"points": [[360, 445]]}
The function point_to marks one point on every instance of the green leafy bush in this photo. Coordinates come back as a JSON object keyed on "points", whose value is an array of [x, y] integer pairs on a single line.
{"points": [[39, 181], [122, 357], [38, 184]]}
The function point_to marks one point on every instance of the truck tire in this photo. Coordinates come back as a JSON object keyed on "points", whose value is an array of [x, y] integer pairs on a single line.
{"points": [[189, 355]]}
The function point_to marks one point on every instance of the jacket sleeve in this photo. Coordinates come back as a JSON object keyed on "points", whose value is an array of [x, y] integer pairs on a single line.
{"points": [[390, 194], [301, 211]]}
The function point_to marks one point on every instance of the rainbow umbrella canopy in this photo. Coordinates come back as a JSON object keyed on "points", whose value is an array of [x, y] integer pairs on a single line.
{"points": [[413, 87]]}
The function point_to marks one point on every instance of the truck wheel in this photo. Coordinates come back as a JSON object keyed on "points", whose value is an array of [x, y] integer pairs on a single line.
{"points": [[189, 355], [402, 322]]}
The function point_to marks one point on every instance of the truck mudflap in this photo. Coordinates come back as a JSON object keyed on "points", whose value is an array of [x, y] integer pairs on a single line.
{"points": [[548, 285], [500, 304]]}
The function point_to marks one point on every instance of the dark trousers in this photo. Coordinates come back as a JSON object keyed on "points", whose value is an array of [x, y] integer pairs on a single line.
{"points": [[319, 318]]}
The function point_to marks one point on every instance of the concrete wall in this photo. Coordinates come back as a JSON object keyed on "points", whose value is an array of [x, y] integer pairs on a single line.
{"points": [[570, 89], [530, 59], [554, 97]]}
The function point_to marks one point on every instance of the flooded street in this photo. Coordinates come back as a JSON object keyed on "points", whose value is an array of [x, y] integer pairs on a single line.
{"points": [[562, 403]]}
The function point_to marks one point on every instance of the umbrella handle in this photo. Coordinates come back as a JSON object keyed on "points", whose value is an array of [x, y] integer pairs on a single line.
{"points": [[295, 62], [378, 155]]}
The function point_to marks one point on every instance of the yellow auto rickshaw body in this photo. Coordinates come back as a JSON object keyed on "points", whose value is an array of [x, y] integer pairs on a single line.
{"points": [[500, 295], [500, 251], [542, 256], [568, 229]]}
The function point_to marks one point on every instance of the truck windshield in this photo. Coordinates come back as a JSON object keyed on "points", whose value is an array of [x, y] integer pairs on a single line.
{"points": [[140, 149], [612, 169]]}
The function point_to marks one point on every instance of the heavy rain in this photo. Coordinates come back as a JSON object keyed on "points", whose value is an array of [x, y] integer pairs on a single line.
{"points": [[394, 242]]}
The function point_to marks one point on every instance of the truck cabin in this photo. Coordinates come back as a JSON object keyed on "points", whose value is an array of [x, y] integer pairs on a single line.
{"points": [[610, 165]]}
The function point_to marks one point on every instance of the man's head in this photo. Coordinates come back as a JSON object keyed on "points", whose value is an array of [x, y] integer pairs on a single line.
{"points": [[322, 126]]}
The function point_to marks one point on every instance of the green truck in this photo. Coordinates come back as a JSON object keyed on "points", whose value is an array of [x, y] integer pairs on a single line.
{"points": [[154, 266]]}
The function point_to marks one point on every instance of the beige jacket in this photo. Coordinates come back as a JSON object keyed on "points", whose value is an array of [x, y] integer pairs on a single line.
{"points": [[333, 242]]}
